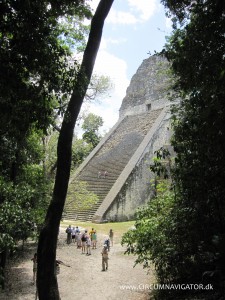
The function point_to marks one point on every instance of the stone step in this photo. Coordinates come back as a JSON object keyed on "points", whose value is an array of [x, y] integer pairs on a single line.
{"points": [[114, 156]]}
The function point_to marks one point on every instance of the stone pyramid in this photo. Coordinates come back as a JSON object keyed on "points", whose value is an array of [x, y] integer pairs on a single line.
{"points": [[117, 170]]}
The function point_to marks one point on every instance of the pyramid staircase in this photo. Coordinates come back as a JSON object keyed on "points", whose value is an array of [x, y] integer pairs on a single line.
{"points": [[113, 156]]}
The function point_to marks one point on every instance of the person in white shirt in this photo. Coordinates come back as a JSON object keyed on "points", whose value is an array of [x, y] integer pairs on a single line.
{"points": [[88, 245]]}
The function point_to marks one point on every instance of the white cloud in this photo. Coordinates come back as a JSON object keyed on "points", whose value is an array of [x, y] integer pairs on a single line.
{"points": [[120, 17], [124, 12], [110, 65], [106, 42], [130, 12], [109, 116], [146, 8], [116, 68], [138, 11]]}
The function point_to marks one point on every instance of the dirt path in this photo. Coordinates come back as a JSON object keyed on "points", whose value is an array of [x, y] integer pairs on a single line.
{"points": [[84, 280]]}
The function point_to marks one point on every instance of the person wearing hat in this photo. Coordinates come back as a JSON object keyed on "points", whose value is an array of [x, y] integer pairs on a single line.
{"points": [[105, 258]]}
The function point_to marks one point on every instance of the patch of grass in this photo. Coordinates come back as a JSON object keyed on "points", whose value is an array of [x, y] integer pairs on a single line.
{"points": [[118, 228]]}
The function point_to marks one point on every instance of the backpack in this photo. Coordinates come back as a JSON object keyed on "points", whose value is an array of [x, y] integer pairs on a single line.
{"points": [[83, 237], [107, 242], [68, 230]]}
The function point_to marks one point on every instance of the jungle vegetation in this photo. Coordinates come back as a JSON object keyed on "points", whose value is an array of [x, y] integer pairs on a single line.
{"points": [[182, 230]]}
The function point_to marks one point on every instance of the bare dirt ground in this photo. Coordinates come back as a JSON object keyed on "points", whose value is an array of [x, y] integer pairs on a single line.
{"points": [[84, 279]]}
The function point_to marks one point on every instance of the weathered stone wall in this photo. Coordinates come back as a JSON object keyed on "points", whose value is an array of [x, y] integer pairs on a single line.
{"points": [[127, 151], [148, 90], [137, 191], [149, 87]]}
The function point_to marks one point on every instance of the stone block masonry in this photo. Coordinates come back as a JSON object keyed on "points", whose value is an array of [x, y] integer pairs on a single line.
{"points": [[127, 150]]}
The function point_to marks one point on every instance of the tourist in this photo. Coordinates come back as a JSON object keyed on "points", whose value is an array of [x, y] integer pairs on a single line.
{"points": [[88, 244], [56, 271], [94, 240], [111, 234], [73, 232], [77, 232], [105, 258], [57, 267], [78, 239], [91, 232], [77, 229], [107, 243], [69, 234], [83, 241], [34, 259]]}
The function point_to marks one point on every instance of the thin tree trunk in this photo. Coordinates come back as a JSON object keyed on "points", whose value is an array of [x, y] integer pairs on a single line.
{"points": [[46, 279], [3, 258]]}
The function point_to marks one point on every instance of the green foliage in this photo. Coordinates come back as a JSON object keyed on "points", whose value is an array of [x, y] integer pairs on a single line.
{"points": [[19, 206], [92, 122], [91, 126], [151, 239], [80, 197], [165, 236], [80, 147], [36, 76], [73, 31], [159, 167], [99, 86], [196, 52], [80, 151], [50, 151], [35, 71], [24, 190]]}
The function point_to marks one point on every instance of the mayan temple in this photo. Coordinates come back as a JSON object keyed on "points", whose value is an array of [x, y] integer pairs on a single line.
{"points": [[126, 152]]}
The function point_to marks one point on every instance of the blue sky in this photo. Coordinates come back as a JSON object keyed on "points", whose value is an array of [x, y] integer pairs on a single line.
{"points": [[132, 29]]}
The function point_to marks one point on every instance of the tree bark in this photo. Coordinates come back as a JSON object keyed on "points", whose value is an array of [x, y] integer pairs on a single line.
{"points": [[46, 279]]}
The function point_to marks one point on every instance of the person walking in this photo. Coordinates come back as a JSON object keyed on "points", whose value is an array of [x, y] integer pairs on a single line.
{"points": [[105, 258], [94, 240], [111, 235], [88, 245], [91, 232], [84, 241], [34, 259], [73, 232], [69, 234], [107, 243], [57, 267], [77, 232], [78, 238]]}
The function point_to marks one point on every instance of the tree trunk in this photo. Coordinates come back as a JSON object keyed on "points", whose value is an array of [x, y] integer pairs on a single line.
{"points": [[46, 279], [3, 258]]}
